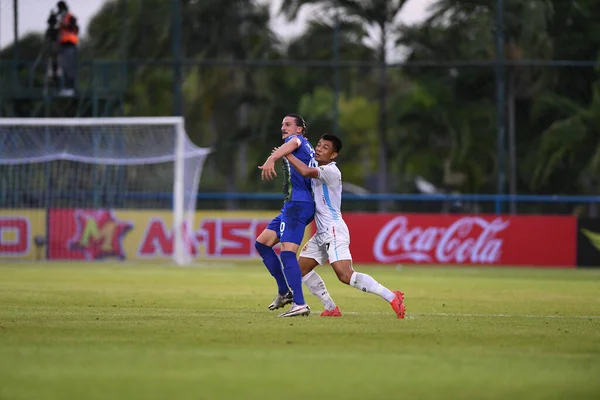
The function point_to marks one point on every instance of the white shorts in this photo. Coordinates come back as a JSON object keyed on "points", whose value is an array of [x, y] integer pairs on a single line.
{"points": [[333, 244]]}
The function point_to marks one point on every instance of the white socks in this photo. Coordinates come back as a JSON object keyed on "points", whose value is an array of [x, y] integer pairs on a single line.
{"points": [[367, 284], [361, 281], [315, 284]]}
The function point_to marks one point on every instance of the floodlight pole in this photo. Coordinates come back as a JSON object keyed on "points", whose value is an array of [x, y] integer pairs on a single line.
{"points": [[336, 72], [124, 49], [500, 67], [177, 57], [16, 30]]}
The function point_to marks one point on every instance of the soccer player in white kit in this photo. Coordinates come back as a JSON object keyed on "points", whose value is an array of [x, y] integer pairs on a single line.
{"points": [[332, 240]]}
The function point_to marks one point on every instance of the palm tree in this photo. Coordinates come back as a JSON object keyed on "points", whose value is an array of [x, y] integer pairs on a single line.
{"points": [[527, 38], [453, 128], [228, 95], [217, 98], [315, 44], [569, 150], [462, 30], [379, 18]]}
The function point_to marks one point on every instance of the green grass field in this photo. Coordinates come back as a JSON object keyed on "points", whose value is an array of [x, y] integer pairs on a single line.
{"points": [[106, 331]]}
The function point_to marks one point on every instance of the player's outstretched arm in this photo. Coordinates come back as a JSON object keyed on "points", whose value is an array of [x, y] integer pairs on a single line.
{"points": [[268, 168], [287, 148], [302, 168]]}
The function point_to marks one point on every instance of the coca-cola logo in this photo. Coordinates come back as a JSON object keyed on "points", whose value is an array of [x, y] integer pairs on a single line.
{"points": [[466, 240]]}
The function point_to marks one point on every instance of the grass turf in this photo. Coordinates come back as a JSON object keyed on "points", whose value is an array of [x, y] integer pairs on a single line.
{"points": [[106, 331]]}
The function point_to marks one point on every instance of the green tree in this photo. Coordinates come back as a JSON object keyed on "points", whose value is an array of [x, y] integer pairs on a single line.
{"points": [[464, 30], [218, 98], [563, 157], [379, 17], [456, 126], [569, 150], [358, 122], [15, 76], [316, 88]]}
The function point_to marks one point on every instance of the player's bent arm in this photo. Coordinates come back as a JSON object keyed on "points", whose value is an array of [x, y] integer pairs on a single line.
{"points": [[302, 168], [287, 148]]}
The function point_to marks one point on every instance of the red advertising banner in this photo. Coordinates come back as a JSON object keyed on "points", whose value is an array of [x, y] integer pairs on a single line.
{"points": [[88, 234], [547, 241]]}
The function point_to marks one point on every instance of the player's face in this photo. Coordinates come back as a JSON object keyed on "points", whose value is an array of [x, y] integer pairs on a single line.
{"points": [[289, 127], [324, 152]]}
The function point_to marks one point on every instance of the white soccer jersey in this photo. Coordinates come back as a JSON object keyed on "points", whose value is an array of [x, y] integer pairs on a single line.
{"points": [[327, 190]]}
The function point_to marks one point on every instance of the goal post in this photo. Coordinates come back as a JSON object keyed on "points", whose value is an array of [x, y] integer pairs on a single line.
{"points": [[143, 163]]}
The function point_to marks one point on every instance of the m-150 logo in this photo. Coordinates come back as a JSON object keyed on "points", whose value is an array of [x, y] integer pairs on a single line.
{"points": [[214, 237], [99, 234]]}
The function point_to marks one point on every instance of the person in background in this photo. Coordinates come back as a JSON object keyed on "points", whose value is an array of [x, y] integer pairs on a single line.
{"points": [[68, 39], [51, 49]]}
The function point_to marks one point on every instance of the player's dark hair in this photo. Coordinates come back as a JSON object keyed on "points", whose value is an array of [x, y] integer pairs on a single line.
{"points": [[300, 122], [337, 142]]}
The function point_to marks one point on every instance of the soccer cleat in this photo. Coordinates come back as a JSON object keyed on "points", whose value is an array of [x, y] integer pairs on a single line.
{"points": [[398, 304], [332, 313], [296, 310], [281, 300]]}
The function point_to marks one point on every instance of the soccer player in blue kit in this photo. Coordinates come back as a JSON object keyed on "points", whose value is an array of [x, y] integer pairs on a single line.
{"points": [[289, 226]]}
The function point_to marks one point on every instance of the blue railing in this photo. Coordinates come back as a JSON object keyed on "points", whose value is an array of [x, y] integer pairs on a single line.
{"points": [[498, 199], [497, 203], [502, 198], [407, 197]]}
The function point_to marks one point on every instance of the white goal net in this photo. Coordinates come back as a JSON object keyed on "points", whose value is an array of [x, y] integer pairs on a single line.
{"points": [[63, 183]]}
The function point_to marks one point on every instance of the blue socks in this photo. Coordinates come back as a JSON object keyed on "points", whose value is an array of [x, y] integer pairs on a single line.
{"points": [[291, 269], [273, 264], [290, 274]]}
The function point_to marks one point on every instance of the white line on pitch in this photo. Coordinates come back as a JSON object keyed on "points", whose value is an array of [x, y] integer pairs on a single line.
{"points": [[463, 315], [408, 314], [494, 315]]}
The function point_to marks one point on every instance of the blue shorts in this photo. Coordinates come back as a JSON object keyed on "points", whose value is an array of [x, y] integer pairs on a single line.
{"points": [[292, 221]]}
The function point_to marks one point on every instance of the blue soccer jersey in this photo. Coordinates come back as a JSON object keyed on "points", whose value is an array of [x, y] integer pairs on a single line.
{"points": [[295, 186]]}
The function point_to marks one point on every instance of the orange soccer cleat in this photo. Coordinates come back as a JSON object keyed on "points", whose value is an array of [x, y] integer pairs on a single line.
{"points": [[398, 304], [332, 313]]}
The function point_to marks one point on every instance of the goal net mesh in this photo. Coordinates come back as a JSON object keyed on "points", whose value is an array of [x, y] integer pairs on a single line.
{"points": [[63, 175]]}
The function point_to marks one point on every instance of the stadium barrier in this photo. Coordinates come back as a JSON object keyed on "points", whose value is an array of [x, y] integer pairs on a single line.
{"points": [[462, 239], [96, 234], [544, 241], [148, 235]]}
